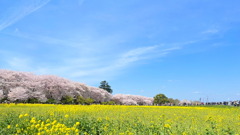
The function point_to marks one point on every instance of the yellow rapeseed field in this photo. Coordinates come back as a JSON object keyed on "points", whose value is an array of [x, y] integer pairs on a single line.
{"points": [[41, 119]]}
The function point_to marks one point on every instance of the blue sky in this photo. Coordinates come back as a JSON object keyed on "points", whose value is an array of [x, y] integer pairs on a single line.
{"points": [[183, 48]]}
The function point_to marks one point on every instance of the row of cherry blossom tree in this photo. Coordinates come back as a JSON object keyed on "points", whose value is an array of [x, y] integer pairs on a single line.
{"points": [[22, 86]]}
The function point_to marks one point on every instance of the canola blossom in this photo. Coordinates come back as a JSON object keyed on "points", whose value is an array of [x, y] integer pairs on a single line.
{"points": [[43, 119]]}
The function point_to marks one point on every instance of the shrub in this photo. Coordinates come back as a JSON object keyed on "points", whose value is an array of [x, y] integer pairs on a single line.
{"points": [[108, 103], [88, 101], [51, 101], [79, 100], [67, 100], [32, 100], [83, 101]]}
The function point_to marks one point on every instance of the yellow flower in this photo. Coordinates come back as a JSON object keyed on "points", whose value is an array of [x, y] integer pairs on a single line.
{"points": [[37, 126], [167, 126], [77, 123], [20, 116], [26, 115], [9, 126], [33, 120], [55, 121], [18, 131], [66, 116], [47, 120]]}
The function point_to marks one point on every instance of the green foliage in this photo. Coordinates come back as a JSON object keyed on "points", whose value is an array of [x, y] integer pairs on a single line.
{"points": [[79, 100], [32, 100], [108, 103], [67, 100], [4, 99], [51, 101], [173, 101], [160, 99], [104, 85], [89, 101], [83, 101], [18, 101]]}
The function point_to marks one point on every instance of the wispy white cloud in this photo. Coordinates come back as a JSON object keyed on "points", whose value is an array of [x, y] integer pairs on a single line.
{"points": [[20, 12], [125, 60], [136, 55], [210, 31], [91, 69], [85, 43], [196, 92], [19, 63], [89, 65], [45, 39]]}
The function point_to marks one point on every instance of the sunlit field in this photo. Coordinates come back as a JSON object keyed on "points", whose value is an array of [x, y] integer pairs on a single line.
{"points": [[113, 120]]}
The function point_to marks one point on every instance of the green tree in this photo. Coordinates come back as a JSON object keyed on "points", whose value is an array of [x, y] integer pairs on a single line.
{"points": [[160, 99], [104, 85], [67, 100], [173, 101], [79, 100]]}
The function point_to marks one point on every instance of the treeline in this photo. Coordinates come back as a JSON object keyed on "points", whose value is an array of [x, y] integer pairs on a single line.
{"points": [[161, 99], [78, 100]]}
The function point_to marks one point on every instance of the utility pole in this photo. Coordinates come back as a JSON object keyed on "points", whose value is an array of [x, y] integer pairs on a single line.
{"points": [[207, 99]]}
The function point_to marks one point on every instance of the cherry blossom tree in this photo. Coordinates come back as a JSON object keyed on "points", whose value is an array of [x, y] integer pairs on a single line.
{"points": [[23, 85], [18, 93], [1, 94], [132, 99]]}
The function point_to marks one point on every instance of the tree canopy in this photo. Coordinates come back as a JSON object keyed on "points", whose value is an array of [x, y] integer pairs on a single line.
{"points": [[160, 99], [104, 85]]}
